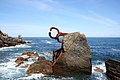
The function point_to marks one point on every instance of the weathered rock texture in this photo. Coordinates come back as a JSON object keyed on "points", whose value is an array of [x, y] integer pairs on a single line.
{"points": [[6, 41], [41, 66], [76, 56], [113, 69], [25, 57]]}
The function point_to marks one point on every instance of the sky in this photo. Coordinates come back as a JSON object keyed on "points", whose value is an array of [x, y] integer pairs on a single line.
{"points": [[33, 18]]}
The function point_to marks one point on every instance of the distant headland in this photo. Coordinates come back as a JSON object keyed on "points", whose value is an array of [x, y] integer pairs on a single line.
{"points": [[6, 40]]}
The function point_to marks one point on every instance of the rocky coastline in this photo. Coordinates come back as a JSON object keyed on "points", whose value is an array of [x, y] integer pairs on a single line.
{"points": [[74, 60], [6, 40]]}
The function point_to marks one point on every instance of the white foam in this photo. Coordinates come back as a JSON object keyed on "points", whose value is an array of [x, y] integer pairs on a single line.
{"points": [[99, 75], [33, 76], [101, 66], [118, 50], [22, 46], [8, 69], [17, 46], [46, 41]]}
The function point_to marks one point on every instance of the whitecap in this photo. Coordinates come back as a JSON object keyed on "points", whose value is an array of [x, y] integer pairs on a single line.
{"points": [[101, 66], [47, 41], [99, 75], [33, 76], [10, 48], [117, 50], [22, 46], [8, 70]]}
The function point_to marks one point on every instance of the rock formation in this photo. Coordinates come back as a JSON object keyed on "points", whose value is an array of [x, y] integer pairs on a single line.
{"points": [[41, 66], [25, 57], [76, 56], [6, 41], [112, 69]]}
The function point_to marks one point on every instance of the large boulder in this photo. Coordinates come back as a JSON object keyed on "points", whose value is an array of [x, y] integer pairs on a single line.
{"points": [[76, 56], [20, 60], [112, 69], [42, 66]]}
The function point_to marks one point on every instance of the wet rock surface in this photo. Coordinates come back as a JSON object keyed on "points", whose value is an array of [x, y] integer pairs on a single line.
{"points": [[41, 66], [112, 69], [98, 70], [26, 56]]}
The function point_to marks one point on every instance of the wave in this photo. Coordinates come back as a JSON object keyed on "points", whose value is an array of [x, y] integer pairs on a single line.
{"points": [[99, 75], [44, 77], [101, 66], [12, 47], [33, 76], [47, 41], [117, 50], [8, 70]]}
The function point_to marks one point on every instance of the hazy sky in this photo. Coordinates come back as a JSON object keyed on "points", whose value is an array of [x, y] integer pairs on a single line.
{"points": [[95, 18]]}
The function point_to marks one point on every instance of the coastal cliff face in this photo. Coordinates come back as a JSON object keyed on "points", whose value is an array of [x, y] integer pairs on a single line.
{"points": [[6, 40]]}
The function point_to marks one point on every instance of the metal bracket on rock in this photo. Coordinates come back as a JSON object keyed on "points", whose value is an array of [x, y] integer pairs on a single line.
{"points": [[57, 54]]}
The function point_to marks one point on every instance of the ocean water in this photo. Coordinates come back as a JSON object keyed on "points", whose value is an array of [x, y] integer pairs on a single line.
{"points": [[102, 49]]}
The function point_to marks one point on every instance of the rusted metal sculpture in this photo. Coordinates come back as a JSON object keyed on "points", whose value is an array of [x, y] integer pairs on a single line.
{"points": [[57, 35], [57, 55]]}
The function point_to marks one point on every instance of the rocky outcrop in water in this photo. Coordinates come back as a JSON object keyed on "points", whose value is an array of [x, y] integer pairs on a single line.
{"points": [[25, 57], [76, 57], [74, 60], [6, 41], [41, 66], [112, 69]]}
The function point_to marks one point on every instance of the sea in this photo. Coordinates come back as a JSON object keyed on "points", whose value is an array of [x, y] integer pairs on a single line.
{"points": [[102, 48]]}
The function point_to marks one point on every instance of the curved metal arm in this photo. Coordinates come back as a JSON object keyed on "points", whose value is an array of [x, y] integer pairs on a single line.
{"points": [[57, 35]]}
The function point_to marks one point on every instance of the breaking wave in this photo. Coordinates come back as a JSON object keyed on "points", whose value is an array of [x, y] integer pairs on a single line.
{"points": [[97, 75], [47, 41], [13, 47], [117, 50]]}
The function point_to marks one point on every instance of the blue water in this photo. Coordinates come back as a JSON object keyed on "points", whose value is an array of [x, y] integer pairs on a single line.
{"points": [[102, 49]]}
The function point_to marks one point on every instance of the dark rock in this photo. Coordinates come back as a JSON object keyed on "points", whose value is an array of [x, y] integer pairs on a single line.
{"points": [[98, 70], [20, 60], [76, 56], [11, 43], [113, 69], [25, 57], [1, 43], [42, 66], [19, 41]]}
